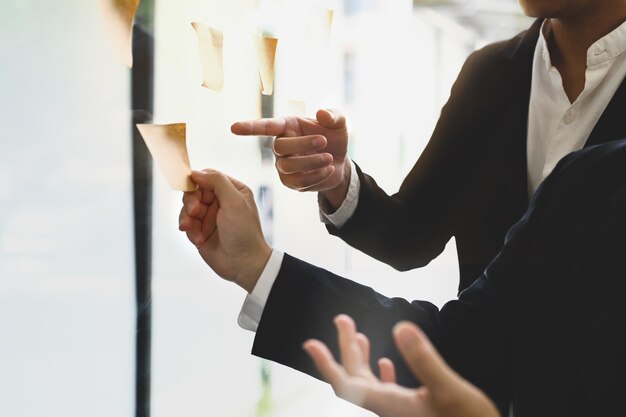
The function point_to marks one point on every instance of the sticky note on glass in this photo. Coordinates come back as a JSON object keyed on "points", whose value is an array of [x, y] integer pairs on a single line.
{"points": [[210, 46], [266, 49], [329, 19], [119, 16], [168, 147]]}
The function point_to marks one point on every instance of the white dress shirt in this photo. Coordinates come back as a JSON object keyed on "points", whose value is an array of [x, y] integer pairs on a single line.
{"points": [[556, 127]]}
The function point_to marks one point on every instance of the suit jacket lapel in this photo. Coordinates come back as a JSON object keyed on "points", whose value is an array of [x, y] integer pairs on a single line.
{"points": [[515, 117], [611, 125]]}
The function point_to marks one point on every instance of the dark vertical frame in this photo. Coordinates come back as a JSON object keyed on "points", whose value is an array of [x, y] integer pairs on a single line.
{"points": [[142, 102], [265, 142], [265, 203]]}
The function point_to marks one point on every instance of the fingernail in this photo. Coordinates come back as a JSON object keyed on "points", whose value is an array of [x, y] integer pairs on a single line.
{"points": [[339, 317], [318, 142], [327, 158]]}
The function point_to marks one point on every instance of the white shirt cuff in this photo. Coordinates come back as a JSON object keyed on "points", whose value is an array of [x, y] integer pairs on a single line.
{"points": [[252, 309], [348, 207]]}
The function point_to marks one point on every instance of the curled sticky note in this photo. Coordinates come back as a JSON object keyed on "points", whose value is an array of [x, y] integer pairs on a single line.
{"points": [[118, 17], [168, 147], [210, 46], [330, 13], [266, 49]]}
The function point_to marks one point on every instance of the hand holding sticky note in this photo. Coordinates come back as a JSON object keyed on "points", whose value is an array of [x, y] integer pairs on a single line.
{"points": [[168, 147]]}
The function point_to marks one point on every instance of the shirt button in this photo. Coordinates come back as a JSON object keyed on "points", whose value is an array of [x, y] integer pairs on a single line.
{"points": [[569, 117]]}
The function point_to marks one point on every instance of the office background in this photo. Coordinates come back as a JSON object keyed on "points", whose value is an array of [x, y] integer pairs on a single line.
{"points": [[66, 227]]}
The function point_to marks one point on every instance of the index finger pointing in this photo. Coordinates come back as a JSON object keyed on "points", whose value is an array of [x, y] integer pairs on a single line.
{"points": [[260, 127]]}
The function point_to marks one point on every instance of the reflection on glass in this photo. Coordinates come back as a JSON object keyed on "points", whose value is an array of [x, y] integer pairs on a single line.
{"points": [[66, 303]]}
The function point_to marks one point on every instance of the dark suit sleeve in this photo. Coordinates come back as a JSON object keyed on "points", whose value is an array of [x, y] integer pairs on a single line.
{"points": [[473, 333], [516, 302], [411, 227]]}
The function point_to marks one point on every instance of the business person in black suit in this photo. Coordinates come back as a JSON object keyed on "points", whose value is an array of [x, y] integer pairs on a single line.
{"points": [[544, 323], [517, 107]]}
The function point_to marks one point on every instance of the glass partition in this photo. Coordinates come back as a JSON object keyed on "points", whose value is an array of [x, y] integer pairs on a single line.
{"points": [[66, 259], [67, 312]]}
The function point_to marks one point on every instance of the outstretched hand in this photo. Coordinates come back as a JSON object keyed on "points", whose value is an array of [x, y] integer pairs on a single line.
{"points": [[311, 154], [443, 394], [222, 221]]}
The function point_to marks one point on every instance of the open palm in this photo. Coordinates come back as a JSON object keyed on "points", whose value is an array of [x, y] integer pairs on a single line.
{"points": [[443, 393]]}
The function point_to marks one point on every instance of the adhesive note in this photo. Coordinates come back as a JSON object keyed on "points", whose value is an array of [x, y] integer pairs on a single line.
{"points": [[329, 19], [330, 14], [168, 147], [266, 49], [210, 46], [118, 18]]}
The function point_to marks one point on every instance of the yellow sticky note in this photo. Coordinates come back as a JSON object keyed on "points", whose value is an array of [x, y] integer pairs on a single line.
{"points": [[210, 46], [118, 18], [168, 147], [266, 49], [329, 19]]}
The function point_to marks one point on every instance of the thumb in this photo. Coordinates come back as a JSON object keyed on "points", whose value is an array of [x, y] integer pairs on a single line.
{"points": [[220, 184], [331, 119], [423, 359]]}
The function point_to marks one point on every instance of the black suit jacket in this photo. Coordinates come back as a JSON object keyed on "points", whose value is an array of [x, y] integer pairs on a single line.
{"points": [[470, 182], [543, 325]]}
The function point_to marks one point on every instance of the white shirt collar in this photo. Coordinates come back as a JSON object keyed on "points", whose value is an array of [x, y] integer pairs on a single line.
{"points": [[604, 49]]}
